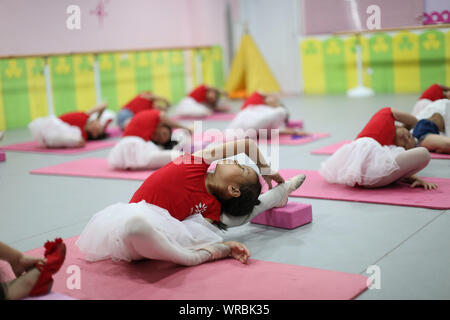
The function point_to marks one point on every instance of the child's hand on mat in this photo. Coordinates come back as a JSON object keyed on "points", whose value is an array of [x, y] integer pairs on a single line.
{"points": [[238, 251], [24, 263], [421, 183]]}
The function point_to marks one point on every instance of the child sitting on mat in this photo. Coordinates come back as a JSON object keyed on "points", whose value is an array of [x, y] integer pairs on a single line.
{"points": [[201, 102], [261, 111], [177, 213], [432, 131], [70, 130], [381, 154], [34, 275], [143, 101], [147, 142]]}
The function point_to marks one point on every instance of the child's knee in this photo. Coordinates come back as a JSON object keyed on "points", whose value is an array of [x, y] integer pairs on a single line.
{"points": [[136, 226], [423, 156]]}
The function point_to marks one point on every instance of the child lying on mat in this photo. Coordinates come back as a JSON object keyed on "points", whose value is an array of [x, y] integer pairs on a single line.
{"points": [[178, 212], [201, 102], [432, 131], [147, 142], [143, 101], [381, 154], [263, 112], [34, 275], [70, 130], [433, 93]]}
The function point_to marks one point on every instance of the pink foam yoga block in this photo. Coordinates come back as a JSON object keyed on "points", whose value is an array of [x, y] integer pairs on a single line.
{"points": [[2, 156], [293, 215]]}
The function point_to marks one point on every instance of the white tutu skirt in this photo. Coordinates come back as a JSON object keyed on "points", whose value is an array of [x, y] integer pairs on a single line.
{"points": [[363, 162], [189, 107], [259, 117], [53, 132], [441, 106], [420, 105], [134, 153], [104, 237]]}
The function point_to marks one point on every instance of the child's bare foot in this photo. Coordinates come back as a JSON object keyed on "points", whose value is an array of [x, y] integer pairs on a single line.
{"points": [[21, 287]]}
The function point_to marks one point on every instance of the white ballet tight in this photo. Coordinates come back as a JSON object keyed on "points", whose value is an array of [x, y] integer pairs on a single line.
{"points": [[410, 162], [145, 241]]}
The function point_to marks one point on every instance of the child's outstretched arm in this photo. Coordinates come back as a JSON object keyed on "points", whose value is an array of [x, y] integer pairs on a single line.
{"points": [[98, 108], [247, 146], [293, 131], [407, 119], [165, 119]]}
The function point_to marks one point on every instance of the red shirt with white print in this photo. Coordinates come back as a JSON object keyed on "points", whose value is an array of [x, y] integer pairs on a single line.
{"points": [[179, 187]]}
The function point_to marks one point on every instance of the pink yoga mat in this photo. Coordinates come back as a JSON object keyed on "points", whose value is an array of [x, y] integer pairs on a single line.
{"points": [[91, 167], [225, 279], [329, 150], [214, 117], [284, 139], [396, 194], [32, 146]]}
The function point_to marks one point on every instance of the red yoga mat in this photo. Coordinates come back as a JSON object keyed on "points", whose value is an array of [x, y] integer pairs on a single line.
{"points": [[93, 168], [329, 150], [225, 279], [396, 194]]}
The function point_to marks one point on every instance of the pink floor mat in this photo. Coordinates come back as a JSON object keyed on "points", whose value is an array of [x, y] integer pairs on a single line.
{"points": [[93, 168], [219, 116], [284, 139], [225, 279], [329, 150], [396, 194]]}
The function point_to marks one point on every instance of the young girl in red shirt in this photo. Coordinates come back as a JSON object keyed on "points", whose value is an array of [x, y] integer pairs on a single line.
{"points": [[143, 101], [70, 130], [148, 143], [201, 102], [178, 212], [261, 111], [381, 154]]}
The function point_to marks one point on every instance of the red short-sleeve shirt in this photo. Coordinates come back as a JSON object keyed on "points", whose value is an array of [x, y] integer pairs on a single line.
{"points": [[78, 119], [143, 124], [434, 92], [179, 187], [199, 93], [254, 99], [139, 104], [380, 127]]}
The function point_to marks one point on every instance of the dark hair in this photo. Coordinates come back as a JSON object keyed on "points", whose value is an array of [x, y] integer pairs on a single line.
{"points": [[102, 136], [242, 205], [170, 143]]}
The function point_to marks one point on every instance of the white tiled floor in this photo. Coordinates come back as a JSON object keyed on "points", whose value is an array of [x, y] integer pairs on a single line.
{"points": [[409, 245]]}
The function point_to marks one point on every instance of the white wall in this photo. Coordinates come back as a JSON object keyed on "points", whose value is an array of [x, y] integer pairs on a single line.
{"points": [[36, 27], [273, 25]]}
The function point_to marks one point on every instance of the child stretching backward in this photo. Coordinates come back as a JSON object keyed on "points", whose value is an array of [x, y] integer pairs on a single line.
{"points": [[180, 211]]}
